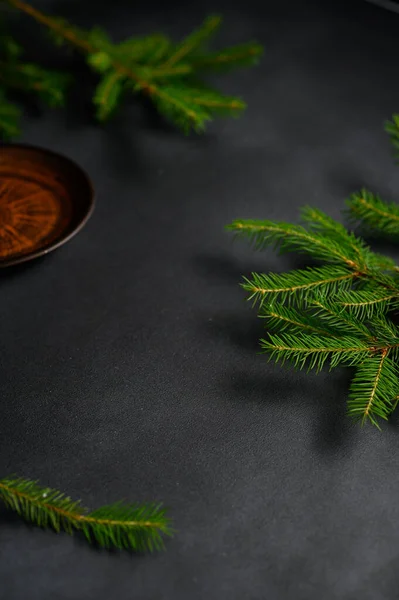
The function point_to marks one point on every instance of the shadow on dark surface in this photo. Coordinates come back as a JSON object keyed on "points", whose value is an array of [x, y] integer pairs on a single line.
{"points": [[240, 330], [393, 422], [382, 246], [223, 269], [346, 181], [12, 520], [120, 146], [12, 272], [154, 122], [275, 11], [8, 517], [90, 12], [227, 269], [334, 432], [260, 389], [79, 111]]}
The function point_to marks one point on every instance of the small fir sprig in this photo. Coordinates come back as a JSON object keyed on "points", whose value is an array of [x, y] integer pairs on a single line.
{"points": [[124, 526], [343, 312], [168, 73]]}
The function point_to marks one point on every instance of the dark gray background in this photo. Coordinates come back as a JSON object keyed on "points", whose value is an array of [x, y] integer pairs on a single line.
{"points": [[129, 362], [389, 4]]}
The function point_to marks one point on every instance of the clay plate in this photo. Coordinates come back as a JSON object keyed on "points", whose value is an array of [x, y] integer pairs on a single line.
{"points": [[45, 199]]}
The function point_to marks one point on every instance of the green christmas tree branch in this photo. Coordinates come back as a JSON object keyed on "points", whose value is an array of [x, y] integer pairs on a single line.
{"points": [[165, 72], [373, 389], [343, 312], [295, 285], [9, 117], [123, 526], [373, 214], [392, 128]]}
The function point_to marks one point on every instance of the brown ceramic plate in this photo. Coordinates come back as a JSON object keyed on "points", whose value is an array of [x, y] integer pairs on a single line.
{"points": [[45, 199]]}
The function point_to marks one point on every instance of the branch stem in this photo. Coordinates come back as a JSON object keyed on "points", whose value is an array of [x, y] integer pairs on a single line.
{"points": [[83, 45], [74, 516]]}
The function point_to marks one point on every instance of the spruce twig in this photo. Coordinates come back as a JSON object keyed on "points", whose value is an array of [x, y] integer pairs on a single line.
{"points": [[123, 526], [342, 312], [154, 66]]}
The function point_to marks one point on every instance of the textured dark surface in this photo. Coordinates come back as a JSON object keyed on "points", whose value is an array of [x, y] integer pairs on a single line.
{"points": [[129, 363]]}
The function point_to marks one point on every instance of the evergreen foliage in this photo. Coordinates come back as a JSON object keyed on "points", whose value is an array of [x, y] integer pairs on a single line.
{"points": [[168, 73], [343, 312], [123, 526]]}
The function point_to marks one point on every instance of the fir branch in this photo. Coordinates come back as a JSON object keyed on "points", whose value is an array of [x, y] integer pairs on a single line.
{"points": [[318, 221], [317, 315], [373, 388], [385, 333], [370, 263], [149, 50], [283, 318], [243, 55], [332, 315], [288, 238], [153, 66], [50, 86], [313, 350], [180, 109], [195, 40], [392, 128], [366, 304], [382, 264], [9, 118], [295, 286], [133, 527], [192, 108], [107, 94], [375, 215], [15, 74]]}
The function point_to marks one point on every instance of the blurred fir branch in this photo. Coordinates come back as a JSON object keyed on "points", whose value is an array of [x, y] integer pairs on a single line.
{"points": [[124, 526], [154, 66], [343, 312], [392, 128]]}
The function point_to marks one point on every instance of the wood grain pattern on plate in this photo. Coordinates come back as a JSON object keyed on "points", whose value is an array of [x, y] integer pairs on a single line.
{"points": [[45, 199]]}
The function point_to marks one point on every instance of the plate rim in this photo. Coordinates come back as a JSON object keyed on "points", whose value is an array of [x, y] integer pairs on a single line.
{"points": [[63, 239]]}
